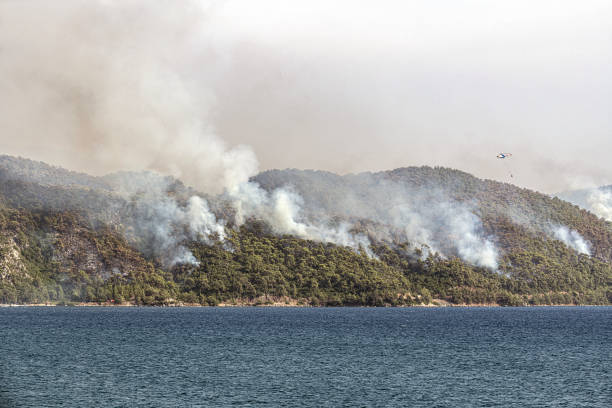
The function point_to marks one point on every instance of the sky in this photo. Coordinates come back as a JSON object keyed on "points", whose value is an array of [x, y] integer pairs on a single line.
{"points": [[219, 90]]}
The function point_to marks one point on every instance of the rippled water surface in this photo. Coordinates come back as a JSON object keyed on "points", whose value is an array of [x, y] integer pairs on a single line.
{"points": [[206, 357]]}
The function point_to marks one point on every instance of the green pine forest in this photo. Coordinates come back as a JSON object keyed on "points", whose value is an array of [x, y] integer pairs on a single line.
{"points": [[60, 245]]}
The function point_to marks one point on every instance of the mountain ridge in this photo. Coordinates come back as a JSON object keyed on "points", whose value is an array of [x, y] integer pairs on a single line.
{"points": [[71, 237]]}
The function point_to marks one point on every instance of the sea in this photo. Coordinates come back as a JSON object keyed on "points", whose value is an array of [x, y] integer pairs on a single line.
{"points": [[305, 357]]}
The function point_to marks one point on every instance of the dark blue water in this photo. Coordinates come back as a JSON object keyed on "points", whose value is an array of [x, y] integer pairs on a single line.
{"points": [[404, 357]]}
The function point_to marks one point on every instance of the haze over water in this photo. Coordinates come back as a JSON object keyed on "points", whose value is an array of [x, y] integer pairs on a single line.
{"points": [[310, 357]]}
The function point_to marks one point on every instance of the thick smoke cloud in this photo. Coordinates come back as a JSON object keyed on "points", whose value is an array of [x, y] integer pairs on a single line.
{"points": [[343, 86], [132, 85], [113, 86], [390, 208], [105, 86]]}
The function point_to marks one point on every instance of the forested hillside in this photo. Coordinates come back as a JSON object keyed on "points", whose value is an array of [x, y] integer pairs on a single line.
{"points": [[506, 211], [69, 237]]}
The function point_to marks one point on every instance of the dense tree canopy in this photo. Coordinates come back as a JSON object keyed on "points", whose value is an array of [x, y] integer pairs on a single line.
{"points": [[64, 241]]}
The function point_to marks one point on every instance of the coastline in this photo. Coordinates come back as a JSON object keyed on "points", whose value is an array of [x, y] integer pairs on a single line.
{"points": [[280, 305]]}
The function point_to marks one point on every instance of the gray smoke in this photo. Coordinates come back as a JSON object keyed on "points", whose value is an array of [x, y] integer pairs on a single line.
{"points": [[112, 87], [310, 86], [383, 209], [445, 226], [104, 86]]}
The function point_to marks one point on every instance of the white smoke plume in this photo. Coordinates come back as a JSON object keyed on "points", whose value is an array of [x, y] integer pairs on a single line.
{"points": [[444, 225], [600, 203], [382, 207], [202, 222], [282, 210], [158, 223], [285, 218], [471, 246], [111, 85], [120, 85], [572, 239], [425, 217]]}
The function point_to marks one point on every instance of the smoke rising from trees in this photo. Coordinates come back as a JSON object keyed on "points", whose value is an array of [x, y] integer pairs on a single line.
{"points": [[181, 90]]}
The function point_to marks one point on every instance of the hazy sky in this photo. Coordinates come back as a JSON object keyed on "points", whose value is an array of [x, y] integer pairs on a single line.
{"points": [[345, 86]]}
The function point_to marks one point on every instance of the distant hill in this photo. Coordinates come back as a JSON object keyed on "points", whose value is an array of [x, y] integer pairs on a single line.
{"points": [[26, 170], [433, 233]]}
